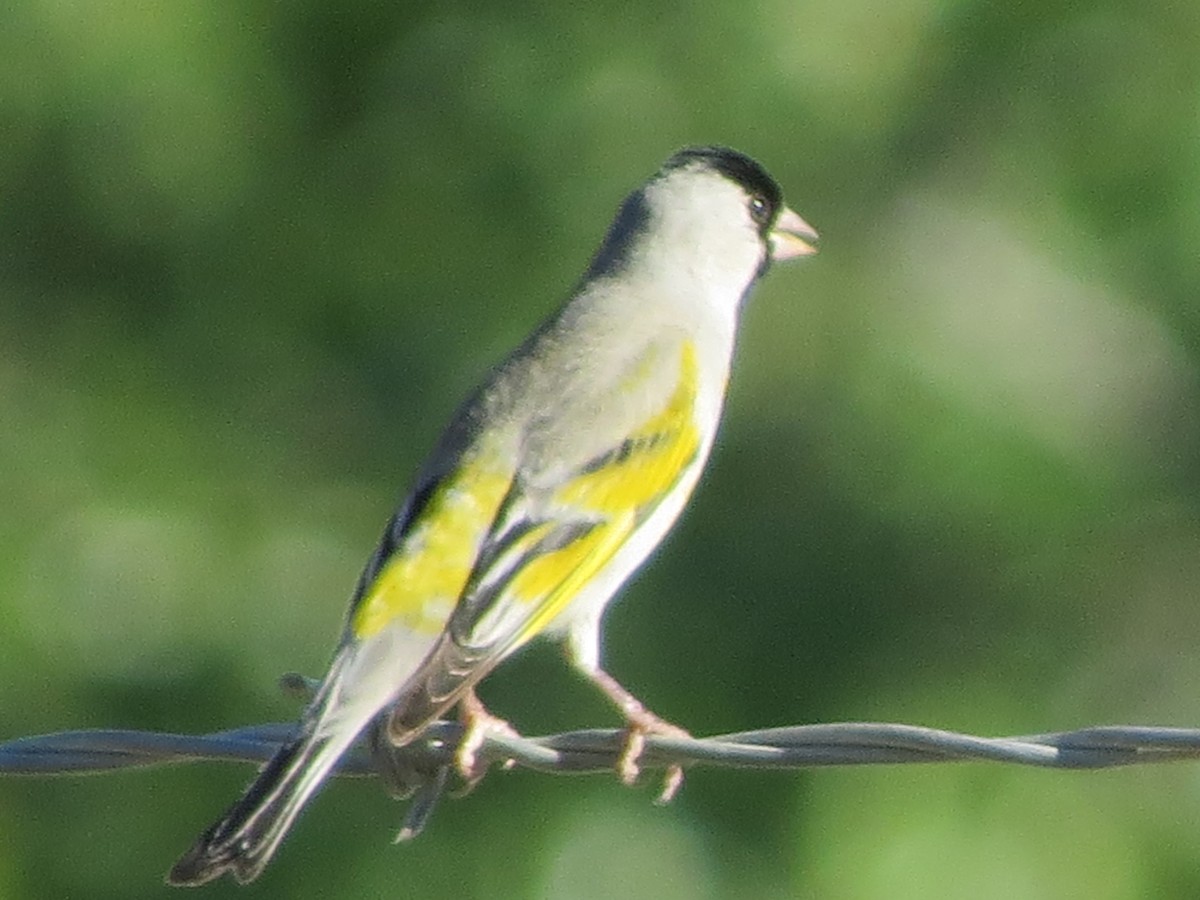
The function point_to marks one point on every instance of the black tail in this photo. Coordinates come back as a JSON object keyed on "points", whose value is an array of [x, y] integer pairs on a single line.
{"points": [[243, 840]]}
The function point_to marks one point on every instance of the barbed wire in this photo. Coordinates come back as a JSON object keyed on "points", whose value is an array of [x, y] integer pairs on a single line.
{"points": [[598, 750], [428, 761]]}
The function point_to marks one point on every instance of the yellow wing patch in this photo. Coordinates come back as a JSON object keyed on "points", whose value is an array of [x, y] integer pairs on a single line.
{"points": [[419, 587], [648, 463], [557, 577], [617, 487]]}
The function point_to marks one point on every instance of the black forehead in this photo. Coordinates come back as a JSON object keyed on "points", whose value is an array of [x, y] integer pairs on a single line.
{"points": [[737, 167]]}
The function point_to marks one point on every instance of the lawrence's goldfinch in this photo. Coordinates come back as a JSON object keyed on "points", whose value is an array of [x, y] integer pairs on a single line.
{"points": [[552, 483]]}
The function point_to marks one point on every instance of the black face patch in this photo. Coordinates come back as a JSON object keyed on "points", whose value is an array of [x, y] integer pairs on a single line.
{"points": [[738, 168]]}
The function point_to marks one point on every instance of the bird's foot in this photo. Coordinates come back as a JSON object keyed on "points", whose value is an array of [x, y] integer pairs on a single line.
{"points": [[479, 724], [642, 723]]}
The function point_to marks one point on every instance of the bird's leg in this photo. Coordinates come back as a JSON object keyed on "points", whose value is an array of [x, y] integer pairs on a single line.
{"points": [[478, 724], [640, 723]]}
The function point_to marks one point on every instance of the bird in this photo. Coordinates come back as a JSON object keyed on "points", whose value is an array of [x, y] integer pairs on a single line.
{"points": [[551, 485]]}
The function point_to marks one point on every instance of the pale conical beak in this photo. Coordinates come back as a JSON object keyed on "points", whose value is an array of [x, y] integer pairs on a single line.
{"points": [[791, 237]]}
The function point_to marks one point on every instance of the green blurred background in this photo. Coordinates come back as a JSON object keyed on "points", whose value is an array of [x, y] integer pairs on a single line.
{"points": [[253, 253]]}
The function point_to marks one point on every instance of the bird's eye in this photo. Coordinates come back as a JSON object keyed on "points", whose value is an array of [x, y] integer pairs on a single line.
{"points": [[760, 209]]}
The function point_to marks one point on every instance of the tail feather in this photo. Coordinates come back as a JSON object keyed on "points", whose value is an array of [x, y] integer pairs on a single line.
{"points": [[362, 681], [243, 840]]}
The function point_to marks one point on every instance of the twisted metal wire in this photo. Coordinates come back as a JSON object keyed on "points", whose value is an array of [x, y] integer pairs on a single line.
{"points": [[429, 760], [796, 747]]}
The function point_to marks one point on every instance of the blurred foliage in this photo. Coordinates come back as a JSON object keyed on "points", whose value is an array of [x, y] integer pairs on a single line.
{"points": [[252, 253]]}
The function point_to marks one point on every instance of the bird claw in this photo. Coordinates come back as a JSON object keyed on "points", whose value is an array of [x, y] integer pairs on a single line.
{"points": [[479, 725], [641, 725]]}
